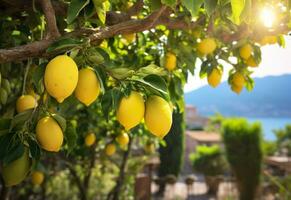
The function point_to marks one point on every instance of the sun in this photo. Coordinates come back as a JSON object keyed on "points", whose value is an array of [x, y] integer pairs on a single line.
{"points": [[267, 17]]}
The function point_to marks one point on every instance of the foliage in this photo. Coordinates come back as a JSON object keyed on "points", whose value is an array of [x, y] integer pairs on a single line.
{"points": [[244, 153], [95, 33], [172, 154], [269, 148], [283, 140], [209, 160]]}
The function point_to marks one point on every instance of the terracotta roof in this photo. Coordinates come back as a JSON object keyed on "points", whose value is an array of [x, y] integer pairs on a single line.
{"points": [[279, 161], [203, 136]]}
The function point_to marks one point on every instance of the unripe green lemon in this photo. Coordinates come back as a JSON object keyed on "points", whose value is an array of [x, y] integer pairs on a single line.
{"points": [[158, 116], [171, 61], [61, 77], [49, 134], [88, 87], [214, 78], [122, 139], [25, 102], [16, 171], [37, 177], [130, 111], [206, 46], [90, 139]]}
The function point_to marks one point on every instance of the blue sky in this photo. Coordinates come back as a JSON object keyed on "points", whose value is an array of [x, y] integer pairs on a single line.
{"points": [[275, 61]]}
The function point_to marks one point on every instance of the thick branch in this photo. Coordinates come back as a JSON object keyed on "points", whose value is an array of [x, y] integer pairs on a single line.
{"points": [[50, 18]]}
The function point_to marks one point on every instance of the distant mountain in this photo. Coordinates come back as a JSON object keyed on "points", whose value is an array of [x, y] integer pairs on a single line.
{"points": [[271, 97]]}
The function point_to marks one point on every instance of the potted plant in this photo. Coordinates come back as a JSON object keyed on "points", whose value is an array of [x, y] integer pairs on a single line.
{"points": [[209, 161]]}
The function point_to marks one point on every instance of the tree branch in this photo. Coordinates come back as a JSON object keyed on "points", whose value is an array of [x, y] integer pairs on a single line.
{"points": [[50, 18]]}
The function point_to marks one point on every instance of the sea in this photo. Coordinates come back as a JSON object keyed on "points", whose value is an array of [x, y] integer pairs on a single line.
{"points": [[270, 124]]}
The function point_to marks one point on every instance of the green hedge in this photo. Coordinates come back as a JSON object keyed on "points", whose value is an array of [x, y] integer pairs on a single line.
{"points": [[172, 154], [208, 160], [244, 154]]}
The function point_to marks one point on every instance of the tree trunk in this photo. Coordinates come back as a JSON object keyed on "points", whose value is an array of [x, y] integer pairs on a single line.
{"points": [[114, 194]]}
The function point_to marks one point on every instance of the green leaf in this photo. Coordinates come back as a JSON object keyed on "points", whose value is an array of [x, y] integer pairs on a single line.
{"points": [[193, 6], [5, 142], [3, 96], [37, 78], [19, 119], [61, 121], [101, 9], [71, 136], [281, 41], [14, 153], [75, 8], [64, 44], [237, 6], [210, 6], [155, 82], [155, 4], [34, 149], [169, 2]]}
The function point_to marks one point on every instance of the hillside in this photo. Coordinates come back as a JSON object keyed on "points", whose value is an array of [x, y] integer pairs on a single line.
{"points": [[271, 97]]}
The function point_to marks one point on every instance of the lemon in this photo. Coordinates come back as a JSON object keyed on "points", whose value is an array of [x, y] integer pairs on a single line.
{"points": [[130, 111], [122, 139], [245, 51], [110, 149], [149, 148], [269, 39], [129, 37], [272, 39], [214, 78], [236, 89], [206, 46], [238, 79], [171, 61], [49, 134], [90, 139], [251, 62], [61, 77], [37, 177], [16, 171], [88, 87], [158, 116], [25, 102]]}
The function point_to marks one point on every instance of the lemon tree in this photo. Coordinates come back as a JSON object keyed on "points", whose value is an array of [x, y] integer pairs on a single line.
{"points": [[85, 83]]}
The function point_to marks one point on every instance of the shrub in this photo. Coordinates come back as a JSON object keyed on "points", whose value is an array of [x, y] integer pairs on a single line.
{"points": [[208, 160], [171, 155], [244, 154]]}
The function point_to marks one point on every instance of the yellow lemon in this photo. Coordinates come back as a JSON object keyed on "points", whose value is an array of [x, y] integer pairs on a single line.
{"points": [[90, 139], [37, 177], [214, 78], [110, 149], [49, 134], [251, 62], [16, 171], [206, 46], [88, 87], [171, 61], [236, 89], [122, 139], [61, 77], [25, 102], [245, 51], [238, 79], [129, 37], [158, 116], [131, 110], [272, 39], [149, 148]]}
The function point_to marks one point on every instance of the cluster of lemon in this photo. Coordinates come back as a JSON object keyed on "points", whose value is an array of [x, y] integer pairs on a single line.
{"points": [[62, 78]]}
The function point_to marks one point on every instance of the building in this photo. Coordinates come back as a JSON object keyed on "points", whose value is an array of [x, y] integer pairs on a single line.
{"points": [[193, 120]]}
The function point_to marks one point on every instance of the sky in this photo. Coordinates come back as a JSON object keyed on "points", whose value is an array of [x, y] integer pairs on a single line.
{"points": [[275, 61]]}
